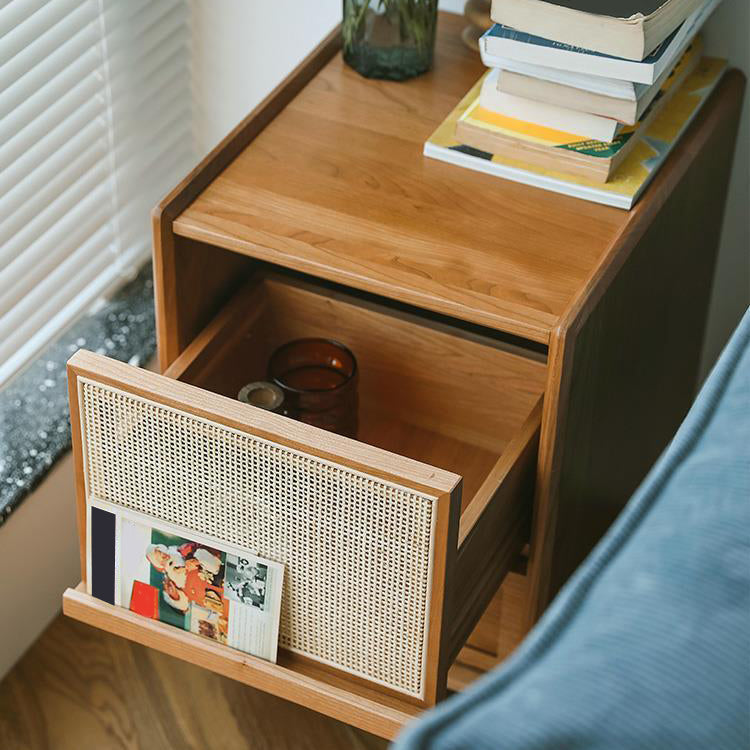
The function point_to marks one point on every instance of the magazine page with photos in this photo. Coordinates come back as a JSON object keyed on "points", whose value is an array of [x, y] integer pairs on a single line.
{"points": [[184, 579]]}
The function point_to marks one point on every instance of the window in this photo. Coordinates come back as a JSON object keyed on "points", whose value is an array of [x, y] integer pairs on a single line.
{"points": [[95, 125]]}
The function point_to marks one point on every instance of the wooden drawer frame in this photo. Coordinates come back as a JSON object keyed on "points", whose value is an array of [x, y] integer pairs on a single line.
{"points": [[477, 547]]}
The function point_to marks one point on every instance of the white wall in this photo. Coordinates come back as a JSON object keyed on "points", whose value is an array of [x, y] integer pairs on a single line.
{"points": [[727, 34], [243, 48], [39, 559]]}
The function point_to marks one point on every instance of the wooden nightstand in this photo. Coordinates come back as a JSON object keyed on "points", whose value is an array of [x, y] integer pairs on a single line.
{"points": [[524, 356]]}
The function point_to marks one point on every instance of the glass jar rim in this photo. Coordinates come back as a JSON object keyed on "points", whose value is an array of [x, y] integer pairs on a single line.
{"points": [[312, 340]]}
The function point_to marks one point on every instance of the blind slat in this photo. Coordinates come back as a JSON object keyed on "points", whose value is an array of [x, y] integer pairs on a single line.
{"points": [[59, 290], [66, 40], [13, 14], [169, 121], [168, 78], [95, 235], [39, 104], [24, 305], [69, 305], [88, 95], [168, 53], [165, 121], [22, 211], [23, 34], [52, 228], [52, 142], [25, 188], [95, 125], [129, 23]]}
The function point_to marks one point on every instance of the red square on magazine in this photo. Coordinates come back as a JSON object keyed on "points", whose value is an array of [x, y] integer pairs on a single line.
{"points": [[145, 600]]}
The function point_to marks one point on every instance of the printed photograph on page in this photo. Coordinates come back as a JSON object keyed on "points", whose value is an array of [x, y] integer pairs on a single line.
{"points": [[225, 595]]}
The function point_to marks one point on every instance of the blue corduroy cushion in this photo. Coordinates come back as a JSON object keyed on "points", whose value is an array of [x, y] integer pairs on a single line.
{"points": [[648, 645]]}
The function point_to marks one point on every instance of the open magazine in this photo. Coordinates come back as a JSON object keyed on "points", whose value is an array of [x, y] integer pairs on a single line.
{"points": [[184, 579]]}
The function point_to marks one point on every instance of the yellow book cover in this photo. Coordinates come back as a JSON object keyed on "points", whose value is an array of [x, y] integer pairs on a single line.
{"points": [[494, 122], [630, 178]]}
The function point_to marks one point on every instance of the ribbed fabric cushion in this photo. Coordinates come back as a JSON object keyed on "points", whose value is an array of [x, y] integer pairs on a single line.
{"points": [[648, 645]]}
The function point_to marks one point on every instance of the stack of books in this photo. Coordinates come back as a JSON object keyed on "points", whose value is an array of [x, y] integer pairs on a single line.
{"points": [[582, 97]]}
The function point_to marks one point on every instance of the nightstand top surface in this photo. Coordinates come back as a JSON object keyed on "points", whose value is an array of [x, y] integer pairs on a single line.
{"points": [[336, 186]]}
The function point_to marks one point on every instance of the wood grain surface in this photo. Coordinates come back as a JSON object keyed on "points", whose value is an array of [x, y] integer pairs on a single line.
{"points": [[293, 677], [458, 416], [478, 396], [493, 531], [337, 186], [175, 322], [79, 688]]}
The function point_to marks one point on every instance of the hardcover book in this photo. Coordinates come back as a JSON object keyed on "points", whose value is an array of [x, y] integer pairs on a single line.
{"points": [[501, 43], [633, 175], [624, 28]]}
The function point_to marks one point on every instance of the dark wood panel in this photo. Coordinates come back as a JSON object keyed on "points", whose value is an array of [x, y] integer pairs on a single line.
{"points": [[624, 366], [492, 542], [205, 278]]}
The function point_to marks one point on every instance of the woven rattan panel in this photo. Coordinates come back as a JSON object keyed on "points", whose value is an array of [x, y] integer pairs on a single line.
{"points": [[357, 550]]}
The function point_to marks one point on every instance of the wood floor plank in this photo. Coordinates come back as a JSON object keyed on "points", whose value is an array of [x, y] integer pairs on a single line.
{"points": [[78, 687]]}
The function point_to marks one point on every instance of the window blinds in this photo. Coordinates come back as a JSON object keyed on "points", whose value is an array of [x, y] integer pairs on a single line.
{"points": [[95, 125]]}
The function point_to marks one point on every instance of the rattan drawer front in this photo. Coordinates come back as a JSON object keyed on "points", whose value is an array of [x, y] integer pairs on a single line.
{"points": [[341, 534], [364, 548]]}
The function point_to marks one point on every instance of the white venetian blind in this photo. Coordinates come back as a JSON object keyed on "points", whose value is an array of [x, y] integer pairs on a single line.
{"points": [[95, 124]]}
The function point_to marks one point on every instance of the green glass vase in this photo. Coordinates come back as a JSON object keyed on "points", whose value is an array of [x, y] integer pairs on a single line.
{"points": [[391, 39]]}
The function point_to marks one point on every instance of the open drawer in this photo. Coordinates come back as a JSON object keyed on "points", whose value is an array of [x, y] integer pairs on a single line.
{"points": [[393, 544]]}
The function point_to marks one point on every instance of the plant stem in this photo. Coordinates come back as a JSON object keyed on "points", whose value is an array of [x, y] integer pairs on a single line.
{"points": [[416, 17]]}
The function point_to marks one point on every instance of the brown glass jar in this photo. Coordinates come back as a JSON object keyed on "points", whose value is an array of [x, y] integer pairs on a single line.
{"points": [[319, 380]]}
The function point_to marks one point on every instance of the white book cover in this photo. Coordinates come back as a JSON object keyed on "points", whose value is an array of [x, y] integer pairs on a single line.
{"points": [[583, 124], [613, 87]]}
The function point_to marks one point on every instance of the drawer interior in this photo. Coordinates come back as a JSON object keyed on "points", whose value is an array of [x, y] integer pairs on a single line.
{"points": [[426, 391]]}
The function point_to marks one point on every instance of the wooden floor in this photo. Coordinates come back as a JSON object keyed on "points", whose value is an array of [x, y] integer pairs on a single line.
{"points": [[80, 688]]}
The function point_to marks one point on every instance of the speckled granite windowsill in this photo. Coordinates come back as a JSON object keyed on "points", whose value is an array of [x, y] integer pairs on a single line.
{"points": [[34, 418]]}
